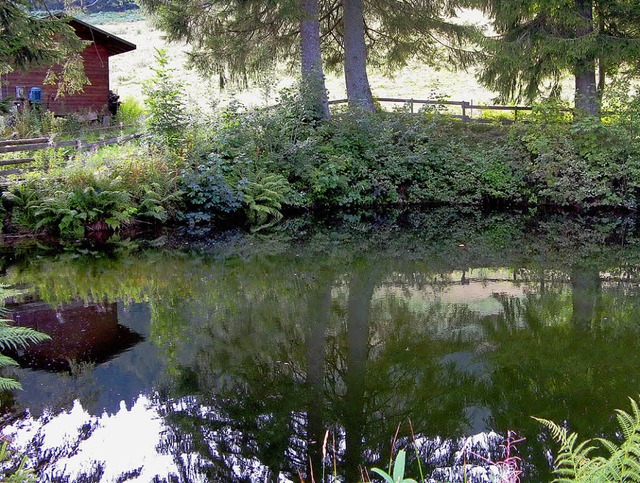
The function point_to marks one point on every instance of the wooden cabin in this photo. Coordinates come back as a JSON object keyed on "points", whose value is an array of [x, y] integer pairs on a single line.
{"points": [[91, 103], [79, 332]]}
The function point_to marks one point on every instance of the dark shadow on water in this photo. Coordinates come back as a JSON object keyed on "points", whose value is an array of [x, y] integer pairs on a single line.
{"points": [[80, 334]]}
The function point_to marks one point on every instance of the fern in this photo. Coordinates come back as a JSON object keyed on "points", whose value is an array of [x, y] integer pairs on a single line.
{"points": [[20, 474], [13, 338], [263, 199], [574, 462]]}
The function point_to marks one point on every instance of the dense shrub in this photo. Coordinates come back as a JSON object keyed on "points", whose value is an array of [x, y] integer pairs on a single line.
{"points": [[358, 160], [251, 165], [95, 191], [384, 158], [207, 193]]}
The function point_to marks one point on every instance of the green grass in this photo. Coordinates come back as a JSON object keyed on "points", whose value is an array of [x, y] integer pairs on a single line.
{"points": [[416, 80], [113, 17]]}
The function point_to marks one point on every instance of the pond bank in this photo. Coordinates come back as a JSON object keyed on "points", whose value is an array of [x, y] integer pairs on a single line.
{"points": [[248, 168], [243, 350]]}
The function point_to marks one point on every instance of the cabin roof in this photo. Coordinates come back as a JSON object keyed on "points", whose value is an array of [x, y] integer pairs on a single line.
{"points": [[114, 44]]}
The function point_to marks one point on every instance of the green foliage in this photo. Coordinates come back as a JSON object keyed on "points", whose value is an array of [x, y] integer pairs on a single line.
{"points": [[72, 212], [28, 40], [130, 112], [263, 198], [575, 463], [13, 338], [398, 471], [377, 159], [257, 163], [96, 191], [207, 194], [30, 122], [539, 42], [19, 474], [388, 159], [167, 120]]}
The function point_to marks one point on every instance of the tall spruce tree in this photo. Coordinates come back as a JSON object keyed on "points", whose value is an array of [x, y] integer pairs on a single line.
{"points": [[539, 41], [355, 56], [28, 39], [311, 60], [240, 38], [388, 33]]}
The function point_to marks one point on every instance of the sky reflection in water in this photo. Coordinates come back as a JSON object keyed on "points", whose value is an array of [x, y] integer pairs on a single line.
{"points": [[249, 352]]}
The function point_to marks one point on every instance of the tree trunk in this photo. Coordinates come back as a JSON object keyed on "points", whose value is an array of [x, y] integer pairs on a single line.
{"points": [[602, 80], [602, 68], [313, 90], [586, 294], [355, 57], [586, 96], [319, 310], [358, 312]]}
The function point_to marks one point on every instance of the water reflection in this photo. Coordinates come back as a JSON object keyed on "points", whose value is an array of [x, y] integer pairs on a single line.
{"points": [[80, 334], [268, 358], [100, 385]]}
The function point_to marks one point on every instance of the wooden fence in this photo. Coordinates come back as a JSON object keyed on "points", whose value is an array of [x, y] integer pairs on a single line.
{"points": [[38, 144], [466, 107]]}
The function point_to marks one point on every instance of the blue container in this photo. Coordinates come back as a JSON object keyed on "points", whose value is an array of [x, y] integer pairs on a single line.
{"points": [[35, 94]]}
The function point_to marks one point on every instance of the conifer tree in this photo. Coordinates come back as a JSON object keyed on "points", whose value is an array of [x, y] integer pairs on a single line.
{"points": [[355, 56], [388, 33], [238, 39], [539, 41], [28, 40]]}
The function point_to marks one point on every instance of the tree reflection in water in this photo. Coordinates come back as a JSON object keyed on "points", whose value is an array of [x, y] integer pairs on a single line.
{"points": [[266, 349]]}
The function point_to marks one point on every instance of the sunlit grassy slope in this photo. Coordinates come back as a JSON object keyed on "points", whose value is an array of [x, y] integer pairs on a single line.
{"points": [[130, 70]]}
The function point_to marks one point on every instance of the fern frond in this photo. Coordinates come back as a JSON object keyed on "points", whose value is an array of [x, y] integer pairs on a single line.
{"points": [[558, 433], [16, 337], [624, 462], [7, 361], [7, 384], [574, 462]]}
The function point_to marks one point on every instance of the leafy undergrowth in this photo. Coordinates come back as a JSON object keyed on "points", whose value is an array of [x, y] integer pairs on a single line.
{"points": [[249, 167]]}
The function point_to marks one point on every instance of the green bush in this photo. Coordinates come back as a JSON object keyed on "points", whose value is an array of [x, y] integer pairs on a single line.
{"points": [[358, 160], [167, 119], [130, 112], [254, 164], [207, 193], [96, 191]]}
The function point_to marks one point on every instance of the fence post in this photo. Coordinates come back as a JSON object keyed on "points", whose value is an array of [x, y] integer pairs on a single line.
{"points": [[411, 105], [515, 113], [465, 104]]}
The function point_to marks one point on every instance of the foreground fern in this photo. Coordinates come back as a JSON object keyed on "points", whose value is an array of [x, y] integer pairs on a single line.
{"points": [[574, 462], [13, 338]]}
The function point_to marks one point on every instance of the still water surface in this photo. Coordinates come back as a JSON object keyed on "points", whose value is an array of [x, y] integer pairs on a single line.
{"points": [[320, 349]]}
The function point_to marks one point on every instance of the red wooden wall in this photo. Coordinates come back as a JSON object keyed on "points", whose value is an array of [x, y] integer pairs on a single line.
{"points": [[94, 99]]}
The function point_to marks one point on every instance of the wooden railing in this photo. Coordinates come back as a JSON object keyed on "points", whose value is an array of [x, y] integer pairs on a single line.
{"points": [[466, 107], [40, 143]]}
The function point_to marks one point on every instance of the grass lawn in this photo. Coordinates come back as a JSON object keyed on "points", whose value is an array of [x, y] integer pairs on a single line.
{"points": [[417, 80]]}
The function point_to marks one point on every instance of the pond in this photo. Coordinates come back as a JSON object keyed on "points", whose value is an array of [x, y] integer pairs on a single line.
{"points": [[317, 350]]}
